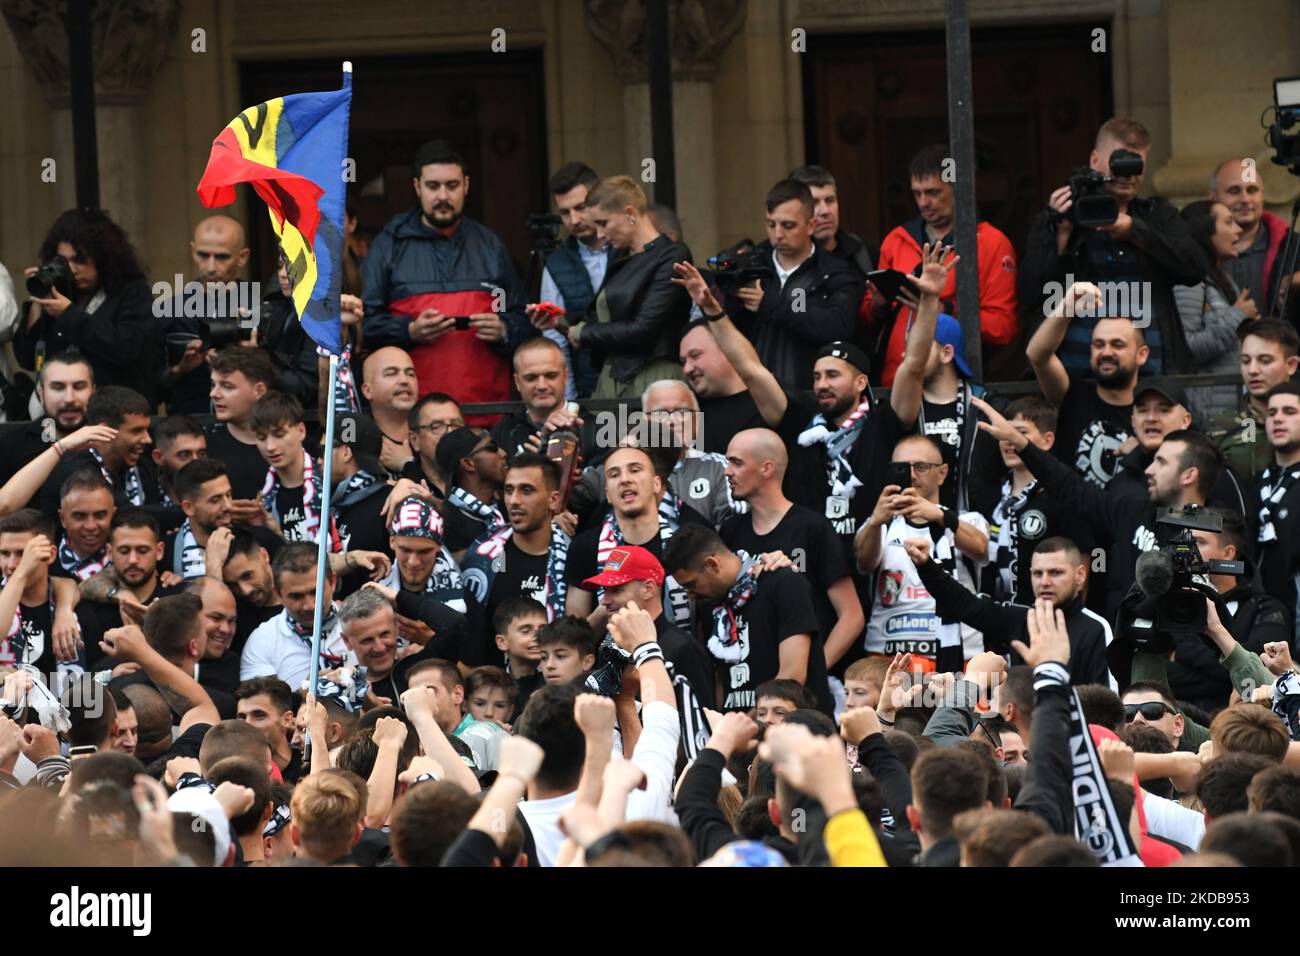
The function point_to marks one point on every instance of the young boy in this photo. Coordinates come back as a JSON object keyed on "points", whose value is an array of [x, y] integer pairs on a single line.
{"points": [[488, 705], [515, 623], [489, 696], [863, 682], [778, 698], [291, 495], [568, 649]]}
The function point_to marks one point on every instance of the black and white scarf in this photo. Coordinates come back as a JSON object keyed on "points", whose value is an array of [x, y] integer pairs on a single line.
{"points": [[351, 490], [134, 487], [467, 504], [346, 401], [839, 474], [724, 642], [1274, 483], [311, 497], [444, 581], [1096, 823], [81, 568], [676, 602], [189, 558], [1004, 529], [17, 639], [484, 559], [164, 496], [333, 652]]}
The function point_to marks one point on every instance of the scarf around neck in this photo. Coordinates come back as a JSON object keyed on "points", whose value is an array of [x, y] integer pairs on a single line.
{"points": [[133, 487], [1274, 483], [725, 643], [311, 499], [839, 442], [677, 604], [469, 505], [485, 558]]}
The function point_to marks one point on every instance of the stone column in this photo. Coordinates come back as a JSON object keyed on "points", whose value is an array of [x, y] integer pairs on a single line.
{"points": [[701, 30], [129, 40]]}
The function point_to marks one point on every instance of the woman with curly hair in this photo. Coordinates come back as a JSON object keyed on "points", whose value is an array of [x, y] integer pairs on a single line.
{"points": [[105, 312]]}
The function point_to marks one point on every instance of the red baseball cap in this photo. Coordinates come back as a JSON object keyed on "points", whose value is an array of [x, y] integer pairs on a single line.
{"points": [[627, 563]]}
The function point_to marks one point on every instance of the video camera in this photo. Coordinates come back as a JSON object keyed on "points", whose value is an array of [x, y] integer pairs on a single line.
{"points": [[736, 266], [1286, 102], [1091, 205], [544, 230], [1167, 602]]}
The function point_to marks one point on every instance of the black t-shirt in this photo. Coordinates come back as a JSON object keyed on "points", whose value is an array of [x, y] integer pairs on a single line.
{"points": [[21, 443], [244, 463], [1090, 431], [942, 423], [361, 528], [582, 552], [521, 574], [459, 529], [722, 418], [292, 514], [450, 629], [810, 542], [96, 617], [47, 496], [780, 608], [689, 659], [36, 626]]}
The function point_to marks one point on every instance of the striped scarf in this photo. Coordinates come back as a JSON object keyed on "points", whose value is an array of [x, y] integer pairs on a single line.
{"points": [[134, 487], [467, 504], [1004, 530], [309, 528], [485, 558], [1274, 483], [725, 643], [839, 474], [346, 401], [81, 568], [677, 603]]}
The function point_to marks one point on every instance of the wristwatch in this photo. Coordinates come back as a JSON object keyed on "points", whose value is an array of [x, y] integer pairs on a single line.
{"points": [[949, 519], [111, 593]]}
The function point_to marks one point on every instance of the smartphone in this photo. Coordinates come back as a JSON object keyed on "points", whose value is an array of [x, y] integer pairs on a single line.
{"points": [[890, 282], [900, 473], [462, 323]]}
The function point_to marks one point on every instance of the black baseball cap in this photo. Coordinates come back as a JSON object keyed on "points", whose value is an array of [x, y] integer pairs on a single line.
{"points": [[848, 352], [457, 444], [361, 434], [1167, 389]]}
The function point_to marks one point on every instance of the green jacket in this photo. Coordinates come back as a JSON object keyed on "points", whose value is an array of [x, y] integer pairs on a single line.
{"points": [[1241, 436], [1245, 669]]}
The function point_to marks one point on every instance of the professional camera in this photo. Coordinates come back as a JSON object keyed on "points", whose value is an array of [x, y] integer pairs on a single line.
{"points": [[1091, 205], [55, 274], [544, 229], [736, 266], [218, 333], [1167, 602], [1286, 103]]}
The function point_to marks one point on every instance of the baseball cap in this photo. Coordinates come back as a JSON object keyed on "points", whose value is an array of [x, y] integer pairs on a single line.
{"points": [[362, 435], [416, 518], [947, 331], [847, 352], [457, 444], [630, 563], [1172, 392]]}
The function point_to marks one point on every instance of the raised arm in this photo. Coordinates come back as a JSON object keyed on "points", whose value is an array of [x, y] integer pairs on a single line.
{"points": [[22, 487], [1081, 297], [906, 394], [762, 384], [129, 644]]}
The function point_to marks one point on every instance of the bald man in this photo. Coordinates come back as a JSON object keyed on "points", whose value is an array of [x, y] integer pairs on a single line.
{"points": [[1236, 184], [390, 385], [756, 465], [219, 255]]}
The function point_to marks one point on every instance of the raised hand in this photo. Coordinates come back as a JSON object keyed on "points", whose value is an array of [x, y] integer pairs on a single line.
{"points": [[1049, 641], [997, 426], [594, 715]]}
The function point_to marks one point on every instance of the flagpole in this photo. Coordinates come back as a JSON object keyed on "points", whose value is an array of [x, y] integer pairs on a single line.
{"points": [[322, 548]]}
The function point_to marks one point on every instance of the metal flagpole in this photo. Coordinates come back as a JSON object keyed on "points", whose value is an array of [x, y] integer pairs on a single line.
{"points": [[322, 549]]}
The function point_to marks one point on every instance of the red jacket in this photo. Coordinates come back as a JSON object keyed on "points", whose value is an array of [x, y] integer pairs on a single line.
{"points": [[901, 250]]}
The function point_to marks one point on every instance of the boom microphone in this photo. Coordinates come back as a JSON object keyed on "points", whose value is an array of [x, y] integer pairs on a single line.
{"points": [[1155, 573]]}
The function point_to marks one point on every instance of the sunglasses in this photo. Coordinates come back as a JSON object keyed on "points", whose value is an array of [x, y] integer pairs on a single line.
{"points": [[1151, 710]]}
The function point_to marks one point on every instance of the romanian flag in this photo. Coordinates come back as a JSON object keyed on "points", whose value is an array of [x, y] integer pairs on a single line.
{"points": [[292, 150]]}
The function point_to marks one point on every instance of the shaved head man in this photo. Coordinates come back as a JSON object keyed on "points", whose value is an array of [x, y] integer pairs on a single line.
{"points": [[218, 249], [219, 255], [390, 384], [1236, 183], [756, 464]]}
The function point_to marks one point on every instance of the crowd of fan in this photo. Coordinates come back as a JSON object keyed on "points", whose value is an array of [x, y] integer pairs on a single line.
{"points": [[797, 624]]}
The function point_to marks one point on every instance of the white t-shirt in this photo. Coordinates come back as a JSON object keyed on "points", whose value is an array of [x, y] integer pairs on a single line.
{"points": [[1173, 821], [543, 818], [274, 650], [903, 617]]}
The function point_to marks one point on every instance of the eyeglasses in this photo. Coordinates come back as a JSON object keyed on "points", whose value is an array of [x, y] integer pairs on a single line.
{"points": [[1151, 710], [920, 467], [433, 428], [490, 448]]}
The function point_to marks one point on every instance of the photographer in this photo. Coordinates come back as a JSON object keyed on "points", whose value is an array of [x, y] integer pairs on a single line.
{"points": [[93, 297], [1147, 243], [219, 254], [1195, 673], [796, 297]]}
